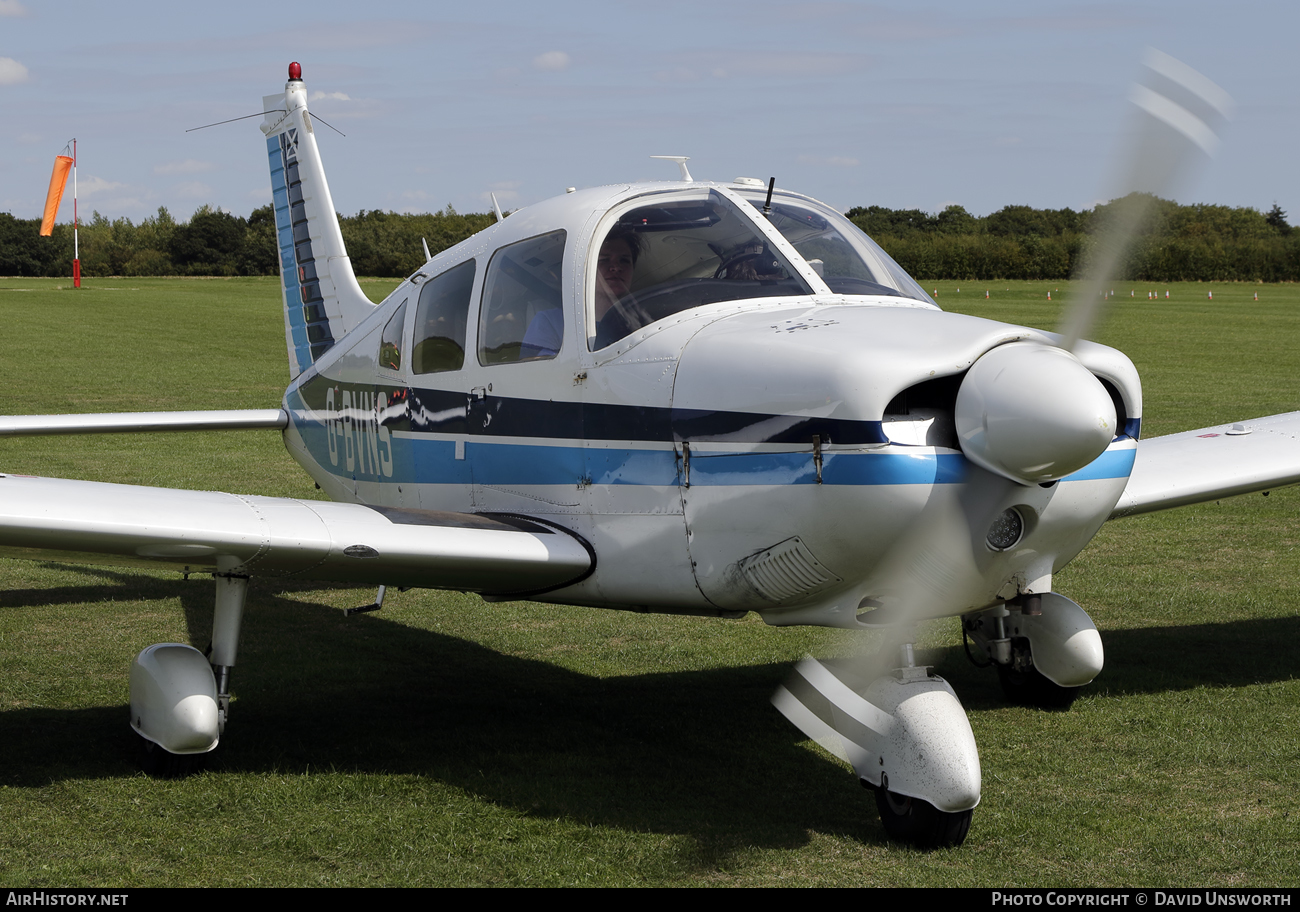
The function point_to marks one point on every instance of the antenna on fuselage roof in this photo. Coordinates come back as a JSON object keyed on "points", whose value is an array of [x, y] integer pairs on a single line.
{"points": [[496, 206], [425, 244], [681, 163], [767, 204]]}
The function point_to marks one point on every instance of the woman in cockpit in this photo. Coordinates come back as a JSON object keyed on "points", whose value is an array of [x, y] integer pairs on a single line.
{"points": [[616, 312]]}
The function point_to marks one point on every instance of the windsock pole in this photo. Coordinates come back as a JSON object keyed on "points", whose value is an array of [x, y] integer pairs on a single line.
{"points": [[76, 249]]}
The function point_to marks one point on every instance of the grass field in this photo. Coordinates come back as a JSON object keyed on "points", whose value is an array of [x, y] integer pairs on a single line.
{"points": [[445, 741]]}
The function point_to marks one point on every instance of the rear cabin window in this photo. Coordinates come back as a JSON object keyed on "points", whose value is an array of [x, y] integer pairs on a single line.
{"points": [[521, 318], [440, 321], [390, 344]]}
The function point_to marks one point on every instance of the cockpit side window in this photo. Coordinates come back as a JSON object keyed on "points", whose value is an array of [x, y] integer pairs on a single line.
{"points": [[521, 317], [390, 343], [661, 258], [440, 321]]}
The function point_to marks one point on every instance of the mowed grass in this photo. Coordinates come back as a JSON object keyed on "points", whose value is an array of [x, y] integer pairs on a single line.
{"points": [[446, 741]]}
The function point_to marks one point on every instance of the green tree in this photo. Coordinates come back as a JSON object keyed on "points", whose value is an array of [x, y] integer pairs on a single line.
{"points": [[211, 244], [1276, 219]]}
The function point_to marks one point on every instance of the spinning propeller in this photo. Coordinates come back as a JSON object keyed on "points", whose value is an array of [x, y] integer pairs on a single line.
{"points": [[1027, 413]]}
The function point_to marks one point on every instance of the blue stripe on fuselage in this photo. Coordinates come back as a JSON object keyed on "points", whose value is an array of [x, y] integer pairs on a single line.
{"points": [[428, 458], [1114, 463], [433, 461]]}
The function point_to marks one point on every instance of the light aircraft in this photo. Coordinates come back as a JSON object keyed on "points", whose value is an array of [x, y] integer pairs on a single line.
{"points": [[678, 396]]}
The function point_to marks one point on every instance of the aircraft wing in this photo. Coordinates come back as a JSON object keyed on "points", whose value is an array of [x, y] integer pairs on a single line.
{"points": [[1209, 463], [206, 531]]}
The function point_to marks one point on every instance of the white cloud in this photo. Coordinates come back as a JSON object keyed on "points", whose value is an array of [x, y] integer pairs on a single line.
{"points": [[189, 166], [552, 60], [11, 71], [193, 190], [12, 8], [89, 186], [329, 96]]}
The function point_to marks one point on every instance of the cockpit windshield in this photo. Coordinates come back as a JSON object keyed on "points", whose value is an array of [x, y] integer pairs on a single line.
{"points": [[670, 253], [848, 261]]}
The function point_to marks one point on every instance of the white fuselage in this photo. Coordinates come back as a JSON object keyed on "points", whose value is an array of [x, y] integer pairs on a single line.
{"points": [[736, 456]]}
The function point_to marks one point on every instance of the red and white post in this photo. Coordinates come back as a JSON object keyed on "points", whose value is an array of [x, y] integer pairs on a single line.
{"points": [[76, 249]]}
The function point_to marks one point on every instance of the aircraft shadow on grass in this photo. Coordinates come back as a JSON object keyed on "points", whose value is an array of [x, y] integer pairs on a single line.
{"points": [[700, 753]]}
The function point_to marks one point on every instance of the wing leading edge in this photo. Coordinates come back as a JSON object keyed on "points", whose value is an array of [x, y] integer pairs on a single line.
{"points": [[208, 531], [1209, 463]]}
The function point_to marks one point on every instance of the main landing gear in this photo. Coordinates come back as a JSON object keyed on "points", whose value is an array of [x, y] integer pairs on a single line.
{"points": [[180, 698], [1045, 648]]}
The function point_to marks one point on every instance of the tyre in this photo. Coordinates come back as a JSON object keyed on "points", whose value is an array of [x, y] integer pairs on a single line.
{"points": [[920, 823]]}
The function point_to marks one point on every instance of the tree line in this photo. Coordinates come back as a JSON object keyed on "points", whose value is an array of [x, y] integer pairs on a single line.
{"points": [[217, 243], [1176, 243]]}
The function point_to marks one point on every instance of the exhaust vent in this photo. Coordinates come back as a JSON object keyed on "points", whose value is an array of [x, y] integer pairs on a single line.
{"points": [[786, 571]]}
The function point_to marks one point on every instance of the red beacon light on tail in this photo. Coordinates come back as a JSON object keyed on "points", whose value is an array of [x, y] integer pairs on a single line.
{"points": [[295, 71]]}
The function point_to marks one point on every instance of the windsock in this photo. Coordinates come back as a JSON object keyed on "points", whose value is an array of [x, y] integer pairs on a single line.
{"points": [[58, 180]]}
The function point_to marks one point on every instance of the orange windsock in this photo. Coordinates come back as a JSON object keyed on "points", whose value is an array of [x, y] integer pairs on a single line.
{"points": [[58, 180]]}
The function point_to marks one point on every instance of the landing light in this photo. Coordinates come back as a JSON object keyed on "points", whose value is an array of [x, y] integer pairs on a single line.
{"points": [[1006, 530]]}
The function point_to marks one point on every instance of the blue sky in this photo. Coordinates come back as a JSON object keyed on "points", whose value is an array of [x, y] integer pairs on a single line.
{"points": [[902, 105]]}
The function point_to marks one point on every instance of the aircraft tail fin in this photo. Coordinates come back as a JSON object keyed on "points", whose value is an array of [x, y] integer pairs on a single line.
{"points": [[322, 300]]}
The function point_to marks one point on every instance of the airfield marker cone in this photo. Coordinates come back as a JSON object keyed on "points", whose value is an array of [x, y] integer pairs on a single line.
{"points": [[1257, 296], [1049, 296], [986, 293], [1211, 295]]}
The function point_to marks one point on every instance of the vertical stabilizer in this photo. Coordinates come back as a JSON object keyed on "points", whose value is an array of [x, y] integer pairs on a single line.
{"points": [[322, 300]]}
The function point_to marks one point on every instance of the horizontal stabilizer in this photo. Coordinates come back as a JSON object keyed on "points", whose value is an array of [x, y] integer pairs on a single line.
{"points": [[1210, 463], [143, 422]]}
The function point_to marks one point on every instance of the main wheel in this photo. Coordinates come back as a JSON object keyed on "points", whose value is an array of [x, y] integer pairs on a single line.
{"points": [[1030, 688], [1025, 685], [920, 823], [159, 763]]}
